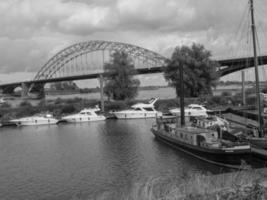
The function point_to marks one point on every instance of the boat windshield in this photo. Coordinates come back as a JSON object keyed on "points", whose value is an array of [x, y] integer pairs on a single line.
{"points": [[149, 109], [46, 115], [98, 112], [195, 107], [137, 109], [151, 100], [85, 113]]}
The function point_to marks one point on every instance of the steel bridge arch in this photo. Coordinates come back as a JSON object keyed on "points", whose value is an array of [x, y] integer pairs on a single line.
{"points": [[68, 54]]}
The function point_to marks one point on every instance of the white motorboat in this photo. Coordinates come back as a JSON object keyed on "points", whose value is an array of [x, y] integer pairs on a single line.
{"points": [[2, 101], [40, 119], [193, 110], [139, 110], [85, 115]]}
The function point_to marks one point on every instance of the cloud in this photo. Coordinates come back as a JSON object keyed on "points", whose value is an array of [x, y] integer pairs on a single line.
{"points": [[153, 15], [85, 21], [32, 31]]}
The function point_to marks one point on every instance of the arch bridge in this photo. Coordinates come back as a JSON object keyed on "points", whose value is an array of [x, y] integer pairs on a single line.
{"points": [[86, 60]]}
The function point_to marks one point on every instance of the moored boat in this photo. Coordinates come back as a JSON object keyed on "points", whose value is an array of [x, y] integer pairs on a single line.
{"points": [[204, 144], [194, 110], [85, 115], [2, 101], [140, 110], [40, 119]]}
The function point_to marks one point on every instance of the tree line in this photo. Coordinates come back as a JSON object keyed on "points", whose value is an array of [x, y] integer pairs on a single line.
{"points": [[199, 73]]}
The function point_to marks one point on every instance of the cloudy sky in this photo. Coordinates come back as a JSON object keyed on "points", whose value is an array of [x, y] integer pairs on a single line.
{"points": [[34, 30]]}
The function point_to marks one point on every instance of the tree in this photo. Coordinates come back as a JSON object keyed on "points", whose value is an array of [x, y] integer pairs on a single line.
{"points": [[199, 70], [120, 84]]}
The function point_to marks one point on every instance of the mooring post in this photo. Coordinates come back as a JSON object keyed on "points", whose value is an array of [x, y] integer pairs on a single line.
{"points": [[101, 81]]}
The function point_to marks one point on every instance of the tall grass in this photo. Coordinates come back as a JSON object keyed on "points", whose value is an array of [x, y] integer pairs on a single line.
{"points": [[247, 185]]}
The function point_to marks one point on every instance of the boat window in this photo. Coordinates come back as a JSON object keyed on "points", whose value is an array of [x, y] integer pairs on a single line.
{"points": [[197, 108], [137, 109], [98, 112], [149, 109], [88, 113]]}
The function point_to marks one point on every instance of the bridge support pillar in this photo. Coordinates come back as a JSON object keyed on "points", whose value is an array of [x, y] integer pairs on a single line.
{"points": [[24, 90], [101, 83]]}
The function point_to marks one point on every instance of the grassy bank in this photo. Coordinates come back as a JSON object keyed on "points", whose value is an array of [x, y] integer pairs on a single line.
{"points": [[241, 185], [245, 185]]}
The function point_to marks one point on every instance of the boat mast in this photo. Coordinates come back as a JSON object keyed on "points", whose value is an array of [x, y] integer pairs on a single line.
{"points": [[243, 88], [253, 29], [182, 95]]}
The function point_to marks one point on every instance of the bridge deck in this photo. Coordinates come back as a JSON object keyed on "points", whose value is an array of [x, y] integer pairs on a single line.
{"points": [[232, 65]]}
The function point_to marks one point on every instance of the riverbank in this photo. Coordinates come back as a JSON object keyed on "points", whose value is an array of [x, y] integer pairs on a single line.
{"points": [[246, 184], [60, 107]]}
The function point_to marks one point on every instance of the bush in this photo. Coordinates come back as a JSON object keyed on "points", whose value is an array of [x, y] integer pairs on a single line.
{"points": [[26, 111], [25, 104], [116, 105], [74, 100], [58, 101], [226, 94], [69, 108], [165, 105], [5, 105], [217, 100]]}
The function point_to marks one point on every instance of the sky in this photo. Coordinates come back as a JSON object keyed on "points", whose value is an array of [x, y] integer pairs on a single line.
{"points": [[32, 31]]}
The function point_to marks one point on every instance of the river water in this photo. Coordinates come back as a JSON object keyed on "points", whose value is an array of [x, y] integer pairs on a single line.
{"points": [[87, 161]]}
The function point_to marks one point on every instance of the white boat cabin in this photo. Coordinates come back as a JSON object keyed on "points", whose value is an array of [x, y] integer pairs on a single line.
{"points": [[190, 135], [139, 110], [191, 110], [85, 115], [211, 122]]}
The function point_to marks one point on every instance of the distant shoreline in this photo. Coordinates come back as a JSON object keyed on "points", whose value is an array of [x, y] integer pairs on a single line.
{"points": [[233, 88]]}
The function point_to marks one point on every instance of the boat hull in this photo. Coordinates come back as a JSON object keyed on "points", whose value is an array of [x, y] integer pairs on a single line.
{"points": [[259, 152], [234, 157], [136, 115], [35, 122], [259, 142], [83, 119]]}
